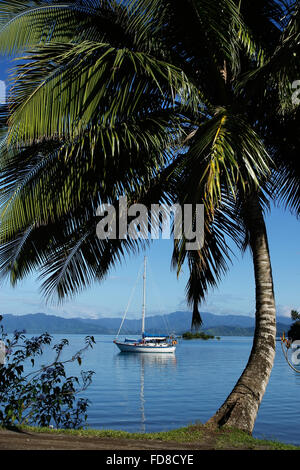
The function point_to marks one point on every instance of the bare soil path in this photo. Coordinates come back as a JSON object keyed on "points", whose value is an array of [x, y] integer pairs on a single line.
{"points": [[27, 440]]}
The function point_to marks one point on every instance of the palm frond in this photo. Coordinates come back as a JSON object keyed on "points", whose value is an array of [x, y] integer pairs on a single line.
{"points": [[281, 68], [44, 182], [26, 24], [208, 264], [225, 151], [73, 73]]}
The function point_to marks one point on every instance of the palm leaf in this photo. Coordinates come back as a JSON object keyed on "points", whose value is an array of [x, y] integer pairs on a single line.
{"points": [[68, 89], [25, 24]]}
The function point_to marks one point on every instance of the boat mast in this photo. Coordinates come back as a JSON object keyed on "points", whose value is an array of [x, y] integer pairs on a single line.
{"points": [[144, 298]]}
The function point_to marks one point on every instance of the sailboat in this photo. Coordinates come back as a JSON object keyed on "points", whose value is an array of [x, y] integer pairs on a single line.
{"points": [[147, 343]]}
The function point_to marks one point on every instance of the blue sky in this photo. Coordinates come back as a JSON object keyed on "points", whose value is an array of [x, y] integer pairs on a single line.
{"points": [[166, 293]]}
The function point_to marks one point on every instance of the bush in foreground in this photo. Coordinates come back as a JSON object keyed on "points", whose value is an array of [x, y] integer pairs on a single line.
{"points": [[40, 396]]}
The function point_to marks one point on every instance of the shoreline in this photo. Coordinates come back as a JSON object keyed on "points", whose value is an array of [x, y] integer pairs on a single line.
{"points": [[194, 437]]}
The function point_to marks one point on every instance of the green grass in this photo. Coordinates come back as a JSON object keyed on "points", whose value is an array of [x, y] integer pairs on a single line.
{"points": [[240, 439], [186, 434], [198, 433]]}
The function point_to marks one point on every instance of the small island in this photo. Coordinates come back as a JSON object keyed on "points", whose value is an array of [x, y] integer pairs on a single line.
{"points": [[198, 335]]}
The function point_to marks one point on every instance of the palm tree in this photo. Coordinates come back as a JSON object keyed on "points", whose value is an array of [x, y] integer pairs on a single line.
{"points": [[247, 96], [105, 93]]}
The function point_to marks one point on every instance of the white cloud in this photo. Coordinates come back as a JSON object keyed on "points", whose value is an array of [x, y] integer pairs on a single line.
{"points": [[2, 92], [285, 310], [224, 304], [25, 302]]}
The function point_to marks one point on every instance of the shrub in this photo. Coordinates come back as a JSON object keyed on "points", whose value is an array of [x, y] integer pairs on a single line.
{"points": [[294, 331], [41, 396]]}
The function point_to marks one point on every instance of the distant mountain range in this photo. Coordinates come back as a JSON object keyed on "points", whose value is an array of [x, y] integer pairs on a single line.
{"points": [[176, 322]]}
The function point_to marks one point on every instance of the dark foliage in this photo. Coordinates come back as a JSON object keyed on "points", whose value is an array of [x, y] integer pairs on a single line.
{"points": [[294, 331], [40, 396]]}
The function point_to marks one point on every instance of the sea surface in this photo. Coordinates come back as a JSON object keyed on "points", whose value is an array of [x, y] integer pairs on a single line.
{"points": [[149, 393]]}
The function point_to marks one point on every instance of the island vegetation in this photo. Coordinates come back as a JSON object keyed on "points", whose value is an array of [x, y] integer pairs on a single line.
{"points": [[197, 335]]}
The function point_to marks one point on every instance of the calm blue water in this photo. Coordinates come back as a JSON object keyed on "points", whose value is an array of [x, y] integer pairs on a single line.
{"points": [[148, 393]]}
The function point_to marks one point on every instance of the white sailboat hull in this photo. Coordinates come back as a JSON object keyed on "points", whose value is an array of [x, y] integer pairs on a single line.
{"points": [[145, 348]]}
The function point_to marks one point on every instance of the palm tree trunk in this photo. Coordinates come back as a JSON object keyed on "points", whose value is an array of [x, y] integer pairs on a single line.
{"points": [[241, 407]]}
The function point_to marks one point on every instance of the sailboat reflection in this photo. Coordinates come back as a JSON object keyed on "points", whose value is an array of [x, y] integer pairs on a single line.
{"points": [[147, 362]]}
